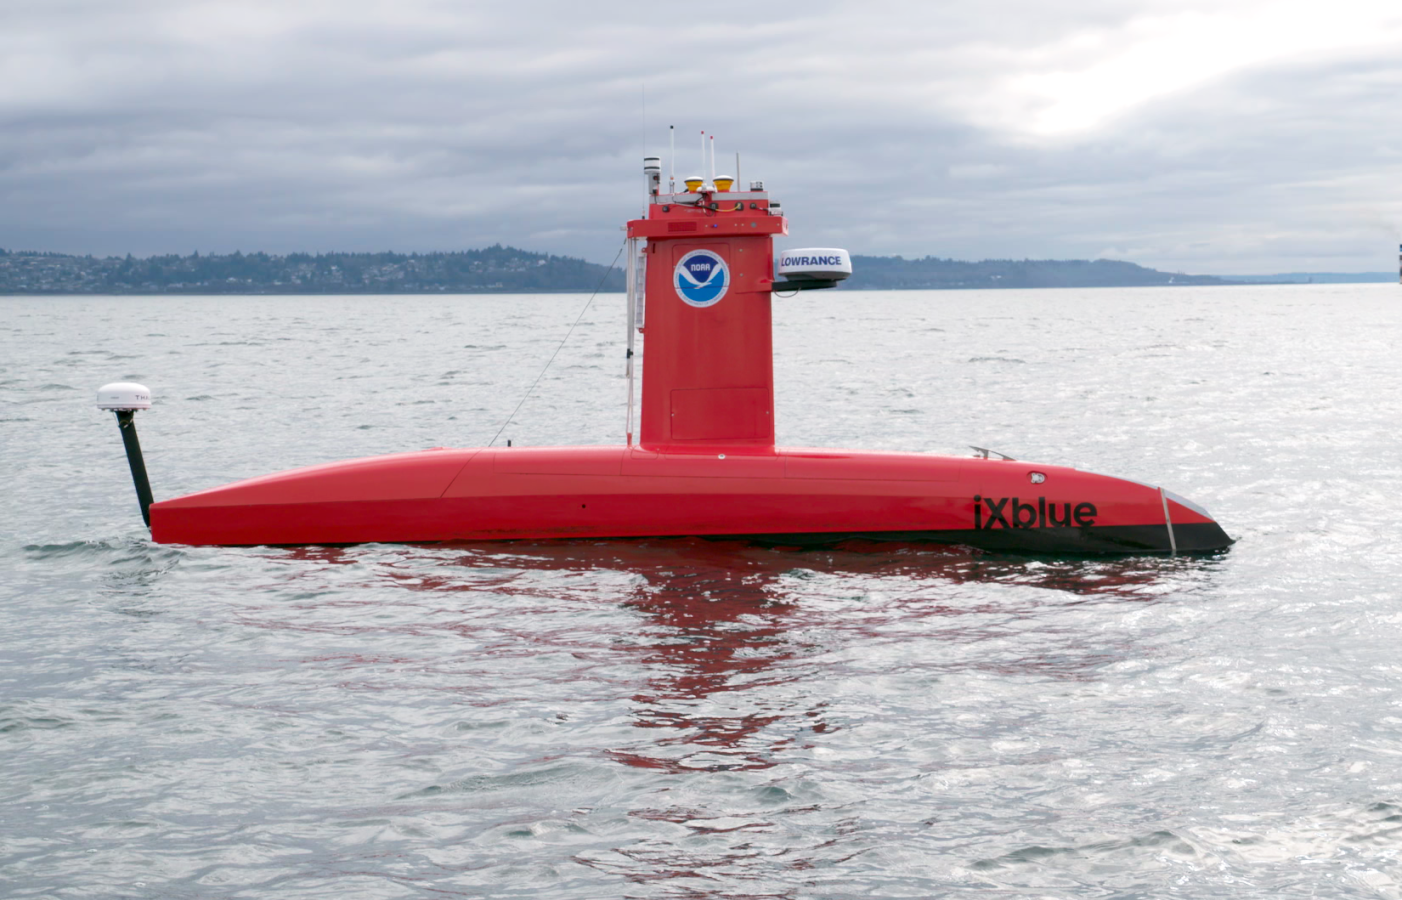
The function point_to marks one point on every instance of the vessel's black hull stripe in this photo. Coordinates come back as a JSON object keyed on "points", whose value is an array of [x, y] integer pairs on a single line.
{"points": [[1201, 537], [1194, 538]]}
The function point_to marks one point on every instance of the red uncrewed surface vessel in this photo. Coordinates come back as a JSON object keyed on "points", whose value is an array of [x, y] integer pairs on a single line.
{"points": [[701, 277]]}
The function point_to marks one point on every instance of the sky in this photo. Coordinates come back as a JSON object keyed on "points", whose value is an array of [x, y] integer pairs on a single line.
{"points": [[1231, 137]]}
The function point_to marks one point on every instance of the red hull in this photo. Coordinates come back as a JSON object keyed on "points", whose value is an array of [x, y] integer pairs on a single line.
{"points": [[785, 495]]}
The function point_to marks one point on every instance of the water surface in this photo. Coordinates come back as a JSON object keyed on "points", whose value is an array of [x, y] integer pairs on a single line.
{"points": [[684, 718]]}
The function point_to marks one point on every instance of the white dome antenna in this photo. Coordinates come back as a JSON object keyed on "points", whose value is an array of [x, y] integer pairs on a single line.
{"points": [[812, 268], [125, 398]]}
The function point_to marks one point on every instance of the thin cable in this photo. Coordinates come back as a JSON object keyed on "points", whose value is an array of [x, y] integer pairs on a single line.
{"points": [[559, 348]]}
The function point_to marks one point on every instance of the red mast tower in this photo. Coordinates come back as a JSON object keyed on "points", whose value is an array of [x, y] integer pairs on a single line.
{"points": [[708, 379]]}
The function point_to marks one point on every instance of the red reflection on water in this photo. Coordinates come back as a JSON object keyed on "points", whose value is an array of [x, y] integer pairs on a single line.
{"points": [[719, 619], [716, 627], [724, 674]]}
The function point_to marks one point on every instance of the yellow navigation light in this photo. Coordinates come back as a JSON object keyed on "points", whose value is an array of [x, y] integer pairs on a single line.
{"points": [[723, 183], [694, 182]]}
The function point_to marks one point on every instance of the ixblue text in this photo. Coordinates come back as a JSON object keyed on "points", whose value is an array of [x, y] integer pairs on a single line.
{"points": [[1012, 512]]}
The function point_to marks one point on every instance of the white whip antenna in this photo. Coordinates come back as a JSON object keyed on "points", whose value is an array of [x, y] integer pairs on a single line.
{"points": [[630, 269], [713, 159], [671, 159]]}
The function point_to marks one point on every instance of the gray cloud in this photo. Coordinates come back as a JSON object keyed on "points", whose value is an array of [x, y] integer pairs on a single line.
{"points": [[1006, 130]]}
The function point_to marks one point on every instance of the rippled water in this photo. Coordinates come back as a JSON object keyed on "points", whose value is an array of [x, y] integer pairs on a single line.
{"points": [[683, 718]]}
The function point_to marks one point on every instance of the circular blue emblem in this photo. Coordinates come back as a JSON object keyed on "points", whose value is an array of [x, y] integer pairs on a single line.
{"points": [[702, 278]]}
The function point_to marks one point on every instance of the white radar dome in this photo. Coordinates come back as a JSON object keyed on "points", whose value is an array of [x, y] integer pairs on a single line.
{"points": [[815, 263], [123, 395]]}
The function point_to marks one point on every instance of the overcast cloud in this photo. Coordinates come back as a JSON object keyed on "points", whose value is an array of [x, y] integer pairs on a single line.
{"points": [[1223, 137]]}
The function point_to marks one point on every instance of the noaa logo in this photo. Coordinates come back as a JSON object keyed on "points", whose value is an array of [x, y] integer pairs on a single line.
{"points": [[702, 278]]}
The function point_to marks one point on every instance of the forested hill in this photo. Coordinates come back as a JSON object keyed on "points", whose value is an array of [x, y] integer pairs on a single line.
{"points": [[876, 273], [498, 269], [503, 270]]}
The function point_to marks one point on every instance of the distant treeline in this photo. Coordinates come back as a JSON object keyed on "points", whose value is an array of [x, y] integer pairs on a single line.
{"points": [[496, 269], [503, 270], [877, 273]]}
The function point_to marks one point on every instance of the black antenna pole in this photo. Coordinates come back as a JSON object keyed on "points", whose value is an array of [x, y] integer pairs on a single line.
{"points": [[126, 421]]}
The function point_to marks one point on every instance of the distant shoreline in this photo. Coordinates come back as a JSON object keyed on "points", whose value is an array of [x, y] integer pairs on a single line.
{"points": [[508, 270]]}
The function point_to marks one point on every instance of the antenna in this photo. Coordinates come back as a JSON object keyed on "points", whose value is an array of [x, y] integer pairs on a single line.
{"points": [[125, 398], [737, 171], [713, 159], [561, 346], [702, 173], [630, 270], [671, 159]]}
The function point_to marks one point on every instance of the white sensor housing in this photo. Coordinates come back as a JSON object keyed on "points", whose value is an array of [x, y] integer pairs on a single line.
{"points": [[815, 264], [122, 396]]}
